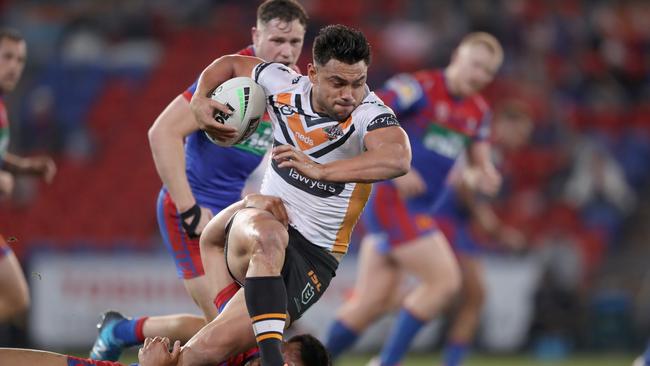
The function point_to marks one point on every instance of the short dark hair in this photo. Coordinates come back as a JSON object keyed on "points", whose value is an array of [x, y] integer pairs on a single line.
{"points": [[11, 34], [341, 43], [312, 351], [285, 10]]}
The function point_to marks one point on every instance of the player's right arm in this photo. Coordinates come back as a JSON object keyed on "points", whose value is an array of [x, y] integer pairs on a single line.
{"points": [[166, 141], [203, 107]]}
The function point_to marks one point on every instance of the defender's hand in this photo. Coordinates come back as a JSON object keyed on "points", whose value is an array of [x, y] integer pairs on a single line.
{"points": [[410, 185], [204, 110], [271, 204], [288, 156], [195, 219], [155, 352]]}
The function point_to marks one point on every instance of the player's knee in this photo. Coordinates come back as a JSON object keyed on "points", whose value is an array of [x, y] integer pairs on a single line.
{"points": [[14, 307], [446, 284], [267, 254], [371, 306], [269, 241]]}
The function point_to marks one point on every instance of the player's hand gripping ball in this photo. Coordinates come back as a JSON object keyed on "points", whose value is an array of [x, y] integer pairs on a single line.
{"points": [[247, 102]]}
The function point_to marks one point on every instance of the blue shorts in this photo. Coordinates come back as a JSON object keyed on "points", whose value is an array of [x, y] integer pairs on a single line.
{"points": [[185, 250], [454, 220], [388, 216]]}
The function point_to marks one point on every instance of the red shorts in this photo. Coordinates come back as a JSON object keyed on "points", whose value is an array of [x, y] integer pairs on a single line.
{"points": [[75, 361], [185, 251], [386, 214]]}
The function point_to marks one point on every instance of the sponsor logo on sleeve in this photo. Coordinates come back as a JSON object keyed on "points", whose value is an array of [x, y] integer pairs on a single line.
{"points": [[381, 121]]}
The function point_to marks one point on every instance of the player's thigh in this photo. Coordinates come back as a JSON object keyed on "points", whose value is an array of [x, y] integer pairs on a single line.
{"points": [[203, 293], [429, 258], [13, 286], [378, 277], [249, 230], [216, 272]]}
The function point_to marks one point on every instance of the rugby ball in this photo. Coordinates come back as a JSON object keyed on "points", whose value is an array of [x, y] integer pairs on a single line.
{"points": [[247, 101]]}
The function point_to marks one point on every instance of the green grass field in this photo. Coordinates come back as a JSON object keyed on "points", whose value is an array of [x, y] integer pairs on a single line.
{"points": [[616, 359]]}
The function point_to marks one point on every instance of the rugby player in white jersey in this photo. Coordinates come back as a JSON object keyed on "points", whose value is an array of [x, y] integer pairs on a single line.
{"points": [[333, 136]]}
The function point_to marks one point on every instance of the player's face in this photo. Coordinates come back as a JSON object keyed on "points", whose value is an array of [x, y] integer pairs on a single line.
{"points": [[338, 87], [12, 62], [291, 353], [279, 41], [476, 67]]}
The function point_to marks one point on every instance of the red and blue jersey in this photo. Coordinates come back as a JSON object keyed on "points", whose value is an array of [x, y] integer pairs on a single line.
{"points": [[440, 126], [217, 174]]}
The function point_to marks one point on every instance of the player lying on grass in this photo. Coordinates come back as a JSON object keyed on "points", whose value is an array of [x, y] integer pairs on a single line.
{"points": [[300, 350]]}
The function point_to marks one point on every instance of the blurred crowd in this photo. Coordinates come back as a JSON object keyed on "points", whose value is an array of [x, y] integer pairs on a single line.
{"points": [[580, 69]]}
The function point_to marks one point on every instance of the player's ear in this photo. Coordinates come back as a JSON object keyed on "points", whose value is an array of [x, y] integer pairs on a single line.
{"points": [[312, 72]]}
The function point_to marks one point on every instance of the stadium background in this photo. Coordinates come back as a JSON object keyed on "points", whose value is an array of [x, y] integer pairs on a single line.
{"points": [[99, 72]]}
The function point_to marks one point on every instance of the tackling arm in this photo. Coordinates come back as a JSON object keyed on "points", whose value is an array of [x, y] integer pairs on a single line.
{"points": [[166, 141]]}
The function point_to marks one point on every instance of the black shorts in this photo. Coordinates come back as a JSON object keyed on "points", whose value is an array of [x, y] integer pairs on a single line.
{"points": [[307, 272]]}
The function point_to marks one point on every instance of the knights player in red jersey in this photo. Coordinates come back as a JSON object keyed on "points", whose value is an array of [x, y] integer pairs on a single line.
{"points": [[14, 295], [199, 180], [444, 116]]}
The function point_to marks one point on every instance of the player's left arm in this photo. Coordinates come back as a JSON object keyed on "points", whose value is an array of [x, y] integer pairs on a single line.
{"points": [[387, 156], [42, 166]]}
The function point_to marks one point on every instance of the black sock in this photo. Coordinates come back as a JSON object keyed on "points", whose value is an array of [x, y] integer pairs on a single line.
{"points": [[266, 300]]}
